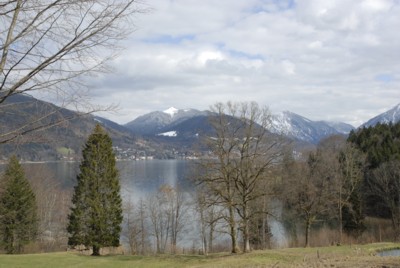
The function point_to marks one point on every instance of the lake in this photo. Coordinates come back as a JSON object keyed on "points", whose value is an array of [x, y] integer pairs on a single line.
{"points": [[139, 179]]}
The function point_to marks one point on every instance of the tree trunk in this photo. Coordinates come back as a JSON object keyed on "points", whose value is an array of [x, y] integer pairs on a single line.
{"points": [[246, 230], [264, 225], [308, 227], [232, 227], [203, 230], [246, 237], [142, 227], [340, 215], [96, 251], [211, 238], [340, 220], [398, 216]]}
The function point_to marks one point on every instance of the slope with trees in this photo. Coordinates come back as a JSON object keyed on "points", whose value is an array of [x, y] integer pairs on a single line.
{"points": [[381, 144]]}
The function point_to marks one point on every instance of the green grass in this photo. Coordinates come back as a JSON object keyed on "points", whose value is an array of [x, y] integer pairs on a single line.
{"points": [[266, 258]]}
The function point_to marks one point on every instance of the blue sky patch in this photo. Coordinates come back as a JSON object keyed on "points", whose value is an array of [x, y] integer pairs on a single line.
{"points": [[169, 39], [241, 54], [281, 5], [238, 54], [385, 78]]}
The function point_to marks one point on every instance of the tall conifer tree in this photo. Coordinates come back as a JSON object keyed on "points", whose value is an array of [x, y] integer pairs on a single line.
{"points": [[18, 211], [96, 215]]}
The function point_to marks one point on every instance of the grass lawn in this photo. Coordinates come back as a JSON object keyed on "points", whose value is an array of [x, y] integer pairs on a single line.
{"points": [[342, 256]]}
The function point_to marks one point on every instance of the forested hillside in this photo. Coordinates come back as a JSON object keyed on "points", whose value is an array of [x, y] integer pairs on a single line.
{"points": [[381, 145]]}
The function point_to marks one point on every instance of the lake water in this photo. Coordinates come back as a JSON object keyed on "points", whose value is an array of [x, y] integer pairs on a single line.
{"points": [[139, 179]]}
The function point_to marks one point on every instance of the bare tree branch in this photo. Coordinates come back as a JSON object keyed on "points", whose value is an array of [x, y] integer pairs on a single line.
{"points": [[52, 45]]}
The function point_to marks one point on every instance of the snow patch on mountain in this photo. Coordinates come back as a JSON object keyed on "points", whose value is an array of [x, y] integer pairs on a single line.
{"points": [[171, 111], [168, 134], [280, 123]]}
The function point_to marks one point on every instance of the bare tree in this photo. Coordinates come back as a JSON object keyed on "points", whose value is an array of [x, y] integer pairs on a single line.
{"points": [[179, 212], [135, 231], [351, 162], [245, 152], [53, 204], [159, 222], [344, 165], [218, 174], [51, 45], [307, 191], [209, 216], [168, 212]]}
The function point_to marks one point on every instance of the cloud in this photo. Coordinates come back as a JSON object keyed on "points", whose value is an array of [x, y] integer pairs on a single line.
{"points": [[332, 59]]}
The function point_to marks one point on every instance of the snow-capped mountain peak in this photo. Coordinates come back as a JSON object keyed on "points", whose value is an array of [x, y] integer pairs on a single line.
{"points": [[155, 122], [304, 129], [390, 116], [171, 111]]}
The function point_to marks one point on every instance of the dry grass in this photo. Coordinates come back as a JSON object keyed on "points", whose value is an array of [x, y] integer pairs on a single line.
{"points": [[334, 256]]}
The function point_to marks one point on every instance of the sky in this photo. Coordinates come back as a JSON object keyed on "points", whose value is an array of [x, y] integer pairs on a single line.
{"points": [[336, 60]]}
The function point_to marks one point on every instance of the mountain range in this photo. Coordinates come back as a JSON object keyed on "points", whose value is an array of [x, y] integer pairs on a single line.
{"points": [[162, 134], [175, 123], [188, 123]]}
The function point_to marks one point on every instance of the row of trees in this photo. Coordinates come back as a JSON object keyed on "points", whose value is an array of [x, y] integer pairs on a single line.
{"points": [[325, 186], [251, 169], [337, 185]]}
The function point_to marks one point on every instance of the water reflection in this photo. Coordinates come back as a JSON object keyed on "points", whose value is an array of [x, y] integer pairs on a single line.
{"points": [[141, 178], [137, 177], [389, 253]]}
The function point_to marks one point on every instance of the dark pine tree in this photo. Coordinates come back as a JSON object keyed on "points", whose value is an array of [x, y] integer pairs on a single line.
{"points": [[353, 217], [96, 214], [18, 211]]}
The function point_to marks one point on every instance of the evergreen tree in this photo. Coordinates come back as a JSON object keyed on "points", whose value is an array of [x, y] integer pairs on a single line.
{"points": [[353, 217], [18, 211], [96, 215]]}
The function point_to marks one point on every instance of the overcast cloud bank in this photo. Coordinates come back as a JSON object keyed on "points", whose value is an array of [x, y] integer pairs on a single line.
{"points": [[326, 60]]}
